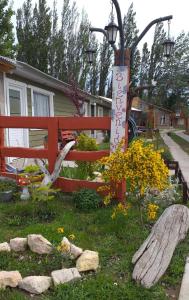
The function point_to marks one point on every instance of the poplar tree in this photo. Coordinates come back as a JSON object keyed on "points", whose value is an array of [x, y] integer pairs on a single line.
{"points": [[130, 36], [105, 65], [33, 34], [6, 29], [53, 42]]}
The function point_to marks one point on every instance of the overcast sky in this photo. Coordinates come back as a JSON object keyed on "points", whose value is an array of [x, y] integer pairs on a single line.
{"points": [[146, 11]]}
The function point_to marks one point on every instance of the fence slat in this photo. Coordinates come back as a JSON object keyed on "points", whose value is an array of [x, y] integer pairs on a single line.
{"points": [[86, 155], [69, 185], [52, 143], [24, 122], [84, 123], [24, 152], [2, 159]]}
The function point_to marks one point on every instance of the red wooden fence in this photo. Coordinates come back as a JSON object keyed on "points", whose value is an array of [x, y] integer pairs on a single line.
{"points": [[53, 124]]}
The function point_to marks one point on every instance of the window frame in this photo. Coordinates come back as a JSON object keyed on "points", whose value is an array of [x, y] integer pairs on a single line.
{"points": [[45, 93]]}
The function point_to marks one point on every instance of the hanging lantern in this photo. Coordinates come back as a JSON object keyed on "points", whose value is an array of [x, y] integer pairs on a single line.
{"points": [[90, 55], [168, 44], [168, 47], [112, 30]]}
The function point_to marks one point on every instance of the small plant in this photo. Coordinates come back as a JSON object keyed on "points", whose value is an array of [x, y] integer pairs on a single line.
{"points": [[86, 143], [7, 185], [86, 199], [43, 193]]}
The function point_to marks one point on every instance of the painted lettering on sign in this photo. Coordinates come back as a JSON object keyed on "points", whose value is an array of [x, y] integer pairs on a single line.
{"points": [[119, 102]]}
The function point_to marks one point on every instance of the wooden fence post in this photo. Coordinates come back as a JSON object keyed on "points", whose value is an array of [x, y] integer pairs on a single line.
{"points": [[184, 190], [2, 159], [52, 142]]}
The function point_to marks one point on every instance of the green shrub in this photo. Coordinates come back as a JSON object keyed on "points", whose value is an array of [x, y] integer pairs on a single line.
{"points": [[86, 143], [7, 185], [86, 199]]}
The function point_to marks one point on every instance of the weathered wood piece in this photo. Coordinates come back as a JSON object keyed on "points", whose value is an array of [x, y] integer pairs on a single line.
{"points": [[154, 256], [50, 178]]}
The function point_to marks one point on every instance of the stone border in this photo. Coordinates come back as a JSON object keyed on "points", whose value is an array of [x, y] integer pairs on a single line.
{"points": [[85, 261]]}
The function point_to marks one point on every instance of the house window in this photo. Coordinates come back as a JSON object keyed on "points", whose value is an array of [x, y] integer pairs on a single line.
{"points": [[100, 111], [162, 120], [41, 105], [42, 102], [85, 109]]}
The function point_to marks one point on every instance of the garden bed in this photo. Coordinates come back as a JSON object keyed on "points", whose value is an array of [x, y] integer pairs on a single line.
{"points": [[115, 240]]}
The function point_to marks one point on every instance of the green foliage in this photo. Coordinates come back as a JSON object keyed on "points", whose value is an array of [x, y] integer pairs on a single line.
{"points": [[31, 169], [86, 143], [23, 214], [74, 173], [7, 185], [43, 193], [86, 199], [6, 29], [96, 231], [33, 33]]}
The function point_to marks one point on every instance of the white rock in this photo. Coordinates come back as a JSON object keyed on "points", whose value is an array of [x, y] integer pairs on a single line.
{"points": [[35, 284], [67, 243], [65, 275], [5, 247], [75, 251], [18, 244], [72, 249], [39, 244], [89, 260], [10, 278]]}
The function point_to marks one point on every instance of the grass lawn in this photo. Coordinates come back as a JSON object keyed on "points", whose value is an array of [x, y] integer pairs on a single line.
{"points": [[180, 141], [115, 240]]}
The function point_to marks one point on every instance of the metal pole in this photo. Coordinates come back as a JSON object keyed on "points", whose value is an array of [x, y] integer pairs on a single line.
{"points": [[133, 47], [120, 24], [104, 32]]}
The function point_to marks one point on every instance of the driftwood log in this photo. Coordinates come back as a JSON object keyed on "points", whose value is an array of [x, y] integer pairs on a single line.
{"points": [[50, 178], [154, 256]]}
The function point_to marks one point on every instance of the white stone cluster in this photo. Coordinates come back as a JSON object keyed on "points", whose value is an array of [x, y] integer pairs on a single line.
{"points": [[86, 260]]}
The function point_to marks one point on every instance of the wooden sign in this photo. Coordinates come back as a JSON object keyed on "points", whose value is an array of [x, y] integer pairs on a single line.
{"points": [[119, 105]]}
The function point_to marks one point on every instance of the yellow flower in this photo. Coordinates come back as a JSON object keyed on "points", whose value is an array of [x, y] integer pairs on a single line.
{"points": [[58, 248], [64, 247], [152, 211], [60, 230], [72, 236]]}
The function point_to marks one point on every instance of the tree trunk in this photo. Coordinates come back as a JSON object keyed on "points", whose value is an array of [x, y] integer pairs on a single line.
{"points": [[154, 256]]}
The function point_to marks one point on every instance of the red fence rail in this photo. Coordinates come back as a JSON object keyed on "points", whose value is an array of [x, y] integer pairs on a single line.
{"points": [[52, 125]]}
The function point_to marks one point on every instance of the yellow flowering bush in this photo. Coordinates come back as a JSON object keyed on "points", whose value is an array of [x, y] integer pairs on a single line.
{"points": [[152, 211], [140, 164]]}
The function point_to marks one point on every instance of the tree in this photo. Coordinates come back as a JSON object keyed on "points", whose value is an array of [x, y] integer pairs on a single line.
{"points": [[130, 36], [24, 29], [66, 36], [144, 66], [42, 31], [33, 33], [105, 64], [156, 63], [53, 42], [6, 29]]}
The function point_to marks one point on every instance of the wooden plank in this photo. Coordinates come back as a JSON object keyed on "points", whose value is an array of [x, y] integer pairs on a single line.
{"points": [[84, 123], [24, 152], [70, 185], [52, 143], [9, 175], [154, 256], [86, 155], [2, 159], [25, 122]]}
